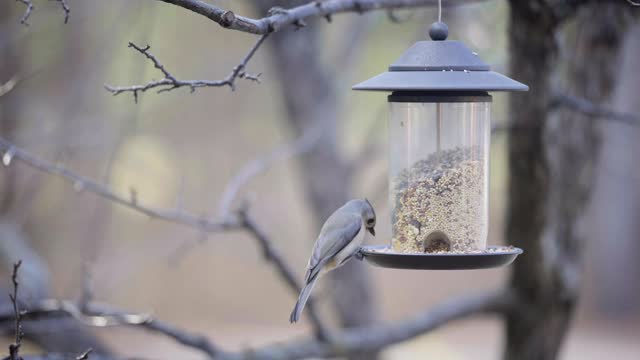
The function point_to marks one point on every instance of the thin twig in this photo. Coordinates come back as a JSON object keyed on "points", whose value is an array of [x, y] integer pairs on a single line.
{"points": [[29, 9], [14, 349], [394, 18], [588, 108], [65, 8], [301, 145], [27, 12], [82, 183], [84, 355], [370, 149], [9, 85], [579, 105], [61, 356], [170, 82]]}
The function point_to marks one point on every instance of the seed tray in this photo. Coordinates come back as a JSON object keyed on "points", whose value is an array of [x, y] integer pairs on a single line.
{"points": [[492, 257]]}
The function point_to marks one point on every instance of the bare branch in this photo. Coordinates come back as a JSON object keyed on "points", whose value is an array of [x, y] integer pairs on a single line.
{"points": [[84, 355], [588, 108], [14, 348], [101, 315], [170, 82], [65, 8], [284, 270], [579, 105], [61, 356], [9, 85], [277, 19], [301, 145], [29, 9], [363, 340], [27, 13], [344, 342], [297, 15], [239, 221], [370, 149], [394, 18], [81, 183]]}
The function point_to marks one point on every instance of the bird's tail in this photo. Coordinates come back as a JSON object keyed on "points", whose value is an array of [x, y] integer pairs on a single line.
{"points": [[302, 300]]}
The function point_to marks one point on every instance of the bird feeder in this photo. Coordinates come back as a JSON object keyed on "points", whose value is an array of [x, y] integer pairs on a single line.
{"points": [[439, 137]]}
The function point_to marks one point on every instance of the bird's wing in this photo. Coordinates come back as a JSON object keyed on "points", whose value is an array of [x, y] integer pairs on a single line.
{"points": [[336, 233]]}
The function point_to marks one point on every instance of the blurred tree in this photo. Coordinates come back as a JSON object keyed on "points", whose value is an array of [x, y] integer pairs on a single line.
{"points": [[552, 158], [612, 227]]}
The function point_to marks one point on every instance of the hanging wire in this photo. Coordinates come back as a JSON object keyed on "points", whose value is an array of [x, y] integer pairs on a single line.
{"points": [[440, 10]]}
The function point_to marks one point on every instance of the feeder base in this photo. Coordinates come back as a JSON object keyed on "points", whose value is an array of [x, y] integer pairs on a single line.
{"points": [[494, 256]]}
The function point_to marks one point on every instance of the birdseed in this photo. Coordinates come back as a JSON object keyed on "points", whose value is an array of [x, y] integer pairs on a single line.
{"points": [[490, 250], [439, 204]]}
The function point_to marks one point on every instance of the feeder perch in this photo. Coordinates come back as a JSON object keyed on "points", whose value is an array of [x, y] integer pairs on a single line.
{"points": [[439, 137]]}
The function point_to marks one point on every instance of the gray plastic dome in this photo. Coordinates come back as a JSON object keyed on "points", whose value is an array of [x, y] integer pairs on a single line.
{"points": [[445, 65]]}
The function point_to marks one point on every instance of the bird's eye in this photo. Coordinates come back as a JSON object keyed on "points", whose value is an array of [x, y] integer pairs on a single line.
{"points": [[371, 222]]}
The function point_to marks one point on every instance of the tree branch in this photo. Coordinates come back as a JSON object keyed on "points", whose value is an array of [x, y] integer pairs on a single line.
{"points": [[27, 12], [101, 315], [579, 105], [590, 109], [362, 340], [66, 9], [60, 356], [370, 149], [14, 349], [29, 9], [276, 20], [84, 355], [344, 343], [9, 85], [284, 270], [297, 15], [236, 221], [170, 82], [301, 145], [81, 183]]}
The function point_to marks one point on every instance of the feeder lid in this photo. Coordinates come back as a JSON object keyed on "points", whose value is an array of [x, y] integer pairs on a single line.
{"points": [[440, 65]]}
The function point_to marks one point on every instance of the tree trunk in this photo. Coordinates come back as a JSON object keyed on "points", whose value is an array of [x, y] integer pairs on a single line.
{"points": [[613, 225], [551, 166]]}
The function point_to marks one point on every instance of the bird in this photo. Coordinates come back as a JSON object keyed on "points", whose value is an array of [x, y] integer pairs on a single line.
{"points": [[340, 239]]}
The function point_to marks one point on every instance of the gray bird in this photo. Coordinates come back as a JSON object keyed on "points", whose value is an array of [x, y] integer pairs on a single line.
{"points": [[339, 240]]}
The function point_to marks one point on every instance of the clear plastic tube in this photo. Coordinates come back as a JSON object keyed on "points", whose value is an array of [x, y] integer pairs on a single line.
{"points": [[439, 175]]}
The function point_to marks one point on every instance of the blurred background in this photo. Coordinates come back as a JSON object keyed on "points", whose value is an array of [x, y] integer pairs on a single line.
{"points": [[182, 145]]}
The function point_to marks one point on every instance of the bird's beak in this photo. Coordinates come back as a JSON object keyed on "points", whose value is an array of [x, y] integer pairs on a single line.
{"points": [[372, 231]]}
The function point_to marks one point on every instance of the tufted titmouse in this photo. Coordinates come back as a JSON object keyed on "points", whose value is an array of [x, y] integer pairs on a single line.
{"points": [[339, 240]]}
